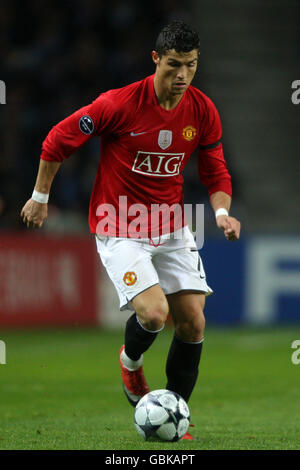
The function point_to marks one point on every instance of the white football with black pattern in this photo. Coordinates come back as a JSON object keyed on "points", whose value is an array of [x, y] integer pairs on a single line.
{"points": [[162, 415]]}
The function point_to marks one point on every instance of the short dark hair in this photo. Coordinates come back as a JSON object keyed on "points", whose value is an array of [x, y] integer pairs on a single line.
{"points": [[177, 35]]}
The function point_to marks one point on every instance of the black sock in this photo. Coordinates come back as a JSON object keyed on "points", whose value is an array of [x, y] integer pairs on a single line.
{"points": [[137, 338], [182, 367]]}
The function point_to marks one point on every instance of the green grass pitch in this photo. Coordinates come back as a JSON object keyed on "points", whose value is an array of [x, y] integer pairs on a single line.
{"points": [[61, 389]]}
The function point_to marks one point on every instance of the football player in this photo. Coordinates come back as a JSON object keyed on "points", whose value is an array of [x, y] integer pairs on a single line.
{"points": [[148, 131]]}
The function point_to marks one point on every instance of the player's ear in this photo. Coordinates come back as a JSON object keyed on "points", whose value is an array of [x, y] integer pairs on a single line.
{"points": [[155, 57]]}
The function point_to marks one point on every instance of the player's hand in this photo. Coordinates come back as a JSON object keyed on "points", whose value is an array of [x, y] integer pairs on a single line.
{"points": [[230, 225], [34, 213]]}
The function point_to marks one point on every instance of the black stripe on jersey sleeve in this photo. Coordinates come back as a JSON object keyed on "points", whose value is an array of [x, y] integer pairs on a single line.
{"points": [[210, 146]]}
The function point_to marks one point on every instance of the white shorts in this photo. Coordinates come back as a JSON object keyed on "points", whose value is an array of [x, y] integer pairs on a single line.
{"points": [[134, 265]]}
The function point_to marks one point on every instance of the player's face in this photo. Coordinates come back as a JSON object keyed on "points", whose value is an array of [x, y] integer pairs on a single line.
{"points": [[176, 70]]}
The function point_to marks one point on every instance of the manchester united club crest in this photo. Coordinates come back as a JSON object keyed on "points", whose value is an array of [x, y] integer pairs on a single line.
{"points": [[164, 139], [189, 133], [130, 278]]}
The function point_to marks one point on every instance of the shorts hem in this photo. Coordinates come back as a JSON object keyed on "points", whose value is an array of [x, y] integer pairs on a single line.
{"points": [[125, 306], [207, 292]]}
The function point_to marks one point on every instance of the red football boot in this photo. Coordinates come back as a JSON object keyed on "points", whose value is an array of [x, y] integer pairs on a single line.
{"points": [[134, 382], [188, 436]]}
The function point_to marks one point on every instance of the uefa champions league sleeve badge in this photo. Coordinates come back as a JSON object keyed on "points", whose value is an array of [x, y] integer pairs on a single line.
{"points": [[86, 125]]}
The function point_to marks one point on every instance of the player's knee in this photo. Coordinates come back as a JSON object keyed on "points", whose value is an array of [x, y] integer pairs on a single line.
{"points": [[192, 329], [153, 317]]}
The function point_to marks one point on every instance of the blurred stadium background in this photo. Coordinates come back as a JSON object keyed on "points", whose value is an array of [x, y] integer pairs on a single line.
{"points": [[57, 57]]}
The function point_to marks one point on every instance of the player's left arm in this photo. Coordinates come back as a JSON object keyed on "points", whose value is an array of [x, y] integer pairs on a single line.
{"points": [[230, 225], [214, 174]]}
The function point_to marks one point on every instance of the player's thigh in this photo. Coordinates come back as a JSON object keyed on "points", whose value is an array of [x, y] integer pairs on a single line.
{"points": [[181, 269], [187, 311], [129, 266], [152, 307]]}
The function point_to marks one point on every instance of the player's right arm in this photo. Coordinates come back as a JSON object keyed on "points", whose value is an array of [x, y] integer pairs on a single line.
{"points": [[61, 142], [34, 213]]}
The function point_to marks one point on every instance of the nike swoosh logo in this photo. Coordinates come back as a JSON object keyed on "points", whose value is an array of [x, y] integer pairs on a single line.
{"points": [[133, 134]]}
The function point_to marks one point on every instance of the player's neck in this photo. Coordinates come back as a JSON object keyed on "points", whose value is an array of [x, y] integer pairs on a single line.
{"points": [[165, 98]]}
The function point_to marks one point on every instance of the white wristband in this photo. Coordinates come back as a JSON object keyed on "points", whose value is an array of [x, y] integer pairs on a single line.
{"points": [[221, 211], [42, 198]]}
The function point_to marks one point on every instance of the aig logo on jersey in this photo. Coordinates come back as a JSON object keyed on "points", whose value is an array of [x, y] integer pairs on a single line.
{"points": [[158, 164]]}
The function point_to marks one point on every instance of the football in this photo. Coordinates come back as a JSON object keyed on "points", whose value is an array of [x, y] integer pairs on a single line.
{"points": [[162, 415]]}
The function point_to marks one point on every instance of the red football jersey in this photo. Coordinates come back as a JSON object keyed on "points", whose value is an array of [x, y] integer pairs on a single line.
{"points": [[143, 149]]}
